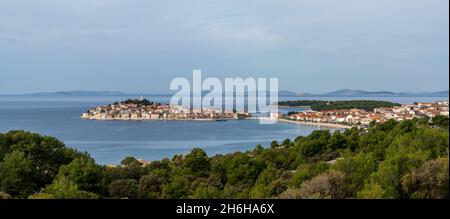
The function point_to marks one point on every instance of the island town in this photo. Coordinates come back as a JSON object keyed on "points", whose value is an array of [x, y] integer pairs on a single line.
{"points": [[142, 109]]}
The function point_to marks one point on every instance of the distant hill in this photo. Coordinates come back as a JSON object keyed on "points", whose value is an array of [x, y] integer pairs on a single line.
{"points": [[426, 94], [439, 93], [281, 93], [80, 93], [363, 93], [349, 92], [287, 93]]}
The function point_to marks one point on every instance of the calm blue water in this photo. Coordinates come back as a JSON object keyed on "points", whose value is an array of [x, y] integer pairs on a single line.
{"points": [[110, 141]]}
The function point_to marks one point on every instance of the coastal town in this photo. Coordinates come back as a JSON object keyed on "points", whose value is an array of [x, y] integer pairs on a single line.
{"points": [[360, 117], [142, 109]]}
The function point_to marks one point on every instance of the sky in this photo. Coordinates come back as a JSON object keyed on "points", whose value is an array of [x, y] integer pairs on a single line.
{"points": [[140, 46]]}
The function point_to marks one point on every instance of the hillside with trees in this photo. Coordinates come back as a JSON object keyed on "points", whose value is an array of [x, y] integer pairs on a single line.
{"points": [[394, 160], [139, 102], [319, 105]]}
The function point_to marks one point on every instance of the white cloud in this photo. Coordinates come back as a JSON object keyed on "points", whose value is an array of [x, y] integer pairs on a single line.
{"points": [[260, 36]]}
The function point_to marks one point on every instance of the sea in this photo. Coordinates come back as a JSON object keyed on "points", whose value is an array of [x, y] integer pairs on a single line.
{"points": [[108, 142]]}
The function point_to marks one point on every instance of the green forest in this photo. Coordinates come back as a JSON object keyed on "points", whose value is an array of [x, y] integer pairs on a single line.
{"points": [[393, 160], [139, 102], [319, 105]]}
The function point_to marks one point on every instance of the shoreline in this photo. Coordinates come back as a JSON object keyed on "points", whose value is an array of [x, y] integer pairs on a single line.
{"points": [[319, 124], [123, 119]]}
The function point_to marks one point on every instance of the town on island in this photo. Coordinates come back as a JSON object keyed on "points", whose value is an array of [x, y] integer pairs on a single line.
{"points": [[338, 114]]}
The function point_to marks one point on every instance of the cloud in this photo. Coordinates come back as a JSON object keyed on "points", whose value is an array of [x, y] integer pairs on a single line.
{"points": [[307, 41], [261, 36]]}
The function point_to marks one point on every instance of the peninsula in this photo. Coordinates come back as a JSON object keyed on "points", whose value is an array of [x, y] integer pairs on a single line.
{"points": [[320, 105], [335, 114], [143, 109], [361, 113]]}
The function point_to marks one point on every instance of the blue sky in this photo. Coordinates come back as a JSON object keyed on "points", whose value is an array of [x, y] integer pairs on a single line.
{"points": [[140, 46]]}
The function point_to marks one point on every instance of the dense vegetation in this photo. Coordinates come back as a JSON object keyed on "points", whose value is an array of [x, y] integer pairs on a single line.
{"points": [[391, 160], [143, 102], [319, 105]]}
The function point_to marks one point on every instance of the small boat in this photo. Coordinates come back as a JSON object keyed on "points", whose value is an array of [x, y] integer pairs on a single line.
{"points": [[221, 120]]}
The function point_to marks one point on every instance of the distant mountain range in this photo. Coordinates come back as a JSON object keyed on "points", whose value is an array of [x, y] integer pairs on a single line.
{"points": [[349, 92], [282, 93], [363, 93], [79, 93]]}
